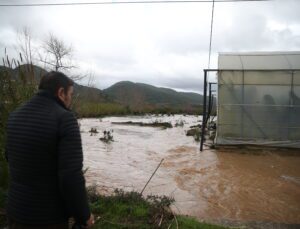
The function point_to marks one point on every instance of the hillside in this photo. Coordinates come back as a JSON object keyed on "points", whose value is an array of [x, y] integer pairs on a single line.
{"points": [[35, 73], [90, 94], [139, 94], [125, 95], [27, 71]]}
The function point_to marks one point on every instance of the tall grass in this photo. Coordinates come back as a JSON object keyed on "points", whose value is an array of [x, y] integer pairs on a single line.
{"points": [[17, 84]]}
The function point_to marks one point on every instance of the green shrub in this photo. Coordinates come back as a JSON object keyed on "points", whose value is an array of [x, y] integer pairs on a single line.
{"points": [[132, 210]]}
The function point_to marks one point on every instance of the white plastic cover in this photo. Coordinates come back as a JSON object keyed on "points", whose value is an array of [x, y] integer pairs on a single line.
{"points": [[258, 106]]}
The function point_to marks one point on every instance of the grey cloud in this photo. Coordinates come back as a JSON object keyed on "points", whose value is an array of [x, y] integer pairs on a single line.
{"points": [[160, 45], [286, 11], [185, 43]]}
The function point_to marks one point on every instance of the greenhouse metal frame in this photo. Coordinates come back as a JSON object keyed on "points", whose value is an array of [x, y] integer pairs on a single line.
{"points": [[258, 99]]}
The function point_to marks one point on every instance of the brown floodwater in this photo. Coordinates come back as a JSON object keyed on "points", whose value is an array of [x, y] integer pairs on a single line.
{"points": [[235, 185]]}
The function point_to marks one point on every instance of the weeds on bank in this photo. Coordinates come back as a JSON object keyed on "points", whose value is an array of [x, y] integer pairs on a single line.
{"points": [[132, 210]]}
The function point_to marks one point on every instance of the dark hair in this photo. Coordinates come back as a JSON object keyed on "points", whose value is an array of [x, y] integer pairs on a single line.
{"points": [[52, 81]]}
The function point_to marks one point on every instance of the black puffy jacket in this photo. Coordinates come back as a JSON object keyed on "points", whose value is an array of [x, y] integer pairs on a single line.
{"points": [[45, 159]]}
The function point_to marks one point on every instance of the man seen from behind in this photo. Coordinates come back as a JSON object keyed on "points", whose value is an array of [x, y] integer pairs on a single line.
{"points": [[45, 159]]}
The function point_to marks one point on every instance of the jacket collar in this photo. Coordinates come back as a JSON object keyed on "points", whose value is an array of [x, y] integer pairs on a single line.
{"points": [[47, 94]]}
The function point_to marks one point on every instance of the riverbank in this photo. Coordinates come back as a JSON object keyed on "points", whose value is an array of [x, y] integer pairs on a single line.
{"points": [[131, 210]]}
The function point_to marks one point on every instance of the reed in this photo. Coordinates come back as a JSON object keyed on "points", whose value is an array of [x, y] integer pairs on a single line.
{"points": [[17, 85]]}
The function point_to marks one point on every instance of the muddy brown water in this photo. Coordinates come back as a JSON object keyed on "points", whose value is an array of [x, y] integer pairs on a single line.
{"points": [[215, 185]]}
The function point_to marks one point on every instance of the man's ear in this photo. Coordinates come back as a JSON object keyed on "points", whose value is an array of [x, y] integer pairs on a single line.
{"points": [[61, 93]]}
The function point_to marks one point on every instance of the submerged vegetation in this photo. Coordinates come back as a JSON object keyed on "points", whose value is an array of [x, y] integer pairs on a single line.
{"points": [[156, 123], [179, 123], [195, 132], [93, 131], [107, 136]]}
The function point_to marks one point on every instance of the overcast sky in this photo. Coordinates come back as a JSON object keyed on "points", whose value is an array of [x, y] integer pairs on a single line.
{"points": [[160, 44]]}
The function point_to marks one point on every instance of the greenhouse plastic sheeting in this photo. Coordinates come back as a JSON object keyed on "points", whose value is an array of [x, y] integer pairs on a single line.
{"points": [[259, 107]]}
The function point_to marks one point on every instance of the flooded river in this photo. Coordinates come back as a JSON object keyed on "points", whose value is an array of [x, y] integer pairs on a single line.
{"points": [[213, 185]]}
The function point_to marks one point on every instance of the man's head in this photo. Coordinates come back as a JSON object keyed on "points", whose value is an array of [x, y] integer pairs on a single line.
{"points": [[59, 85]]}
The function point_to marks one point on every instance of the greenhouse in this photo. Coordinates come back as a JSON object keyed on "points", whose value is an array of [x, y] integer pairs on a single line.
{"points": [[259, 99]]}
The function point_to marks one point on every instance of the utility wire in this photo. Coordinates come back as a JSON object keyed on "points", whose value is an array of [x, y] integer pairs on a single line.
{"points": [[128, 2], [211, 31]]}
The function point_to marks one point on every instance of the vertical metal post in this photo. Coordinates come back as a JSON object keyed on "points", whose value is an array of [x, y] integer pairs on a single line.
{"points": [[243, 107], [291, 105], [204, 110], [209, 101]]}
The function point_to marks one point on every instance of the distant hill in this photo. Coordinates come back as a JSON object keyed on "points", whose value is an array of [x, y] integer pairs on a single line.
{"points": [[35, 72], [29, 71], [139, 94], [90, 94]]}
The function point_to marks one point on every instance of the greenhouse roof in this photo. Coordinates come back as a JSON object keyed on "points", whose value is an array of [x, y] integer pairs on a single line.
{"points": [[259, 61]]}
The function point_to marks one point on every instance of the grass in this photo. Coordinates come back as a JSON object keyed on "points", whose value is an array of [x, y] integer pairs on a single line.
{"points": [[132, 210], [191, 223]]}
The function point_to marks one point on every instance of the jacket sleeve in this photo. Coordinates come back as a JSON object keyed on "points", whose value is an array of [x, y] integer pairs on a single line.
{"points": [[70, 163], [5, 155], [5, 148]]}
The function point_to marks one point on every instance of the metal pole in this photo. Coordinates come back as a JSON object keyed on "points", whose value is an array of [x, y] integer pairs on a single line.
{"points": [[152, 176], [291, 107], [204, 110], [209, 102]]}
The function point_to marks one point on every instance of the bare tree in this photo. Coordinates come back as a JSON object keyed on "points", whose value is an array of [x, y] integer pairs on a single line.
{"points": [[58, 54], [54, 54], [24, 45], [91, 79]]}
